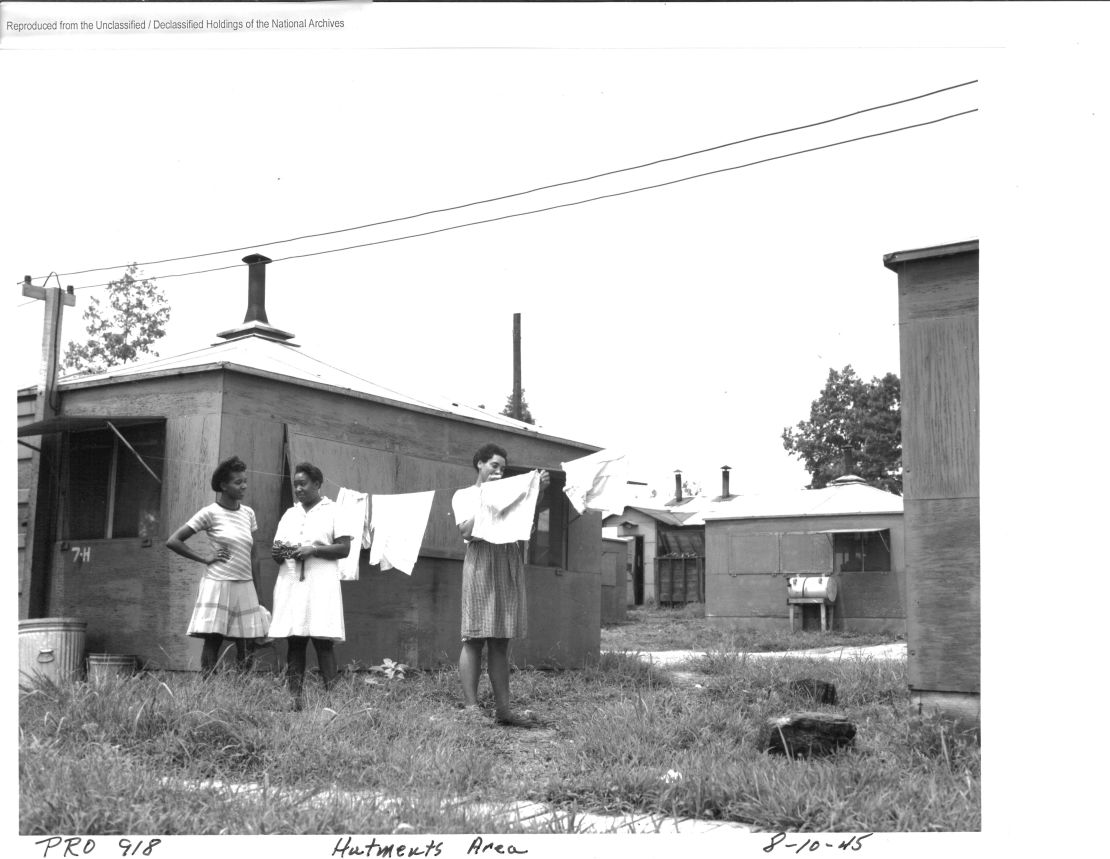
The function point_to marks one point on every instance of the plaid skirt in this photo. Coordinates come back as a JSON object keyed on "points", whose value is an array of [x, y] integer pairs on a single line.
{"points": [[493, 593], [229, 609]]}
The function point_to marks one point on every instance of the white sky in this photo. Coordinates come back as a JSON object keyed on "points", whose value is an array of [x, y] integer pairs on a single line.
{"points": [[688, 324]]}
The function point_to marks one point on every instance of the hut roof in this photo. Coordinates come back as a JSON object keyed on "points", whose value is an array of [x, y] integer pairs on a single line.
{"points": [[845, 498], [269, 358]]}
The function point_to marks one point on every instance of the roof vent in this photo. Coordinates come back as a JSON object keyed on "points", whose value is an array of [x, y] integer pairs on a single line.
{"points": [[255, 323], [847, 480]]}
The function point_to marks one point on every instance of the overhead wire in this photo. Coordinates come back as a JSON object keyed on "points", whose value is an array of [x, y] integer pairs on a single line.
{"points": [[570, 204], [539, 188]]}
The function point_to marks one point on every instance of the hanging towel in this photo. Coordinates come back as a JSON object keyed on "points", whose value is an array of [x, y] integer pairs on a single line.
{"points": [[398, 528], [350, 519], [506, 508], [598, 481]]}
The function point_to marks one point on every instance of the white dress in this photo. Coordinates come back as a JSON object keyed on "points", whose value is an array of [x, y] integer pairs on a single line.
{"points": [[312, 607]]}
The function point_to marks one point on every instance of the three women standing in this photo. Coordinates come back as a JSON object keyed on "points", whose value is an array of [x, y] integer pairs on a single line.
{"points": [[227, 603], [308, 601]]}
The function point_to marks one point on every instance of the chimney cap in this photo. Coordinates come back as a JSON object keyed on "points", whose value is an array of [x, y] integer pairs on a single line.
{"points": [[251, 259]]}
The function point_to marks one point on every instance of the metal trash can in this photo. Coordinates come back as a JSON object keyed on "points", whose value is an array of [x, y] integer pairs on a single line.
{"points": [[52, 648], [101, 666]]}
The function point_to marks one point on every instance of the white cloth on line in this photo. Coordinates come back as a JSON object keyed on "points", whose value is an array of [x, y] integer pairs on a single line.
{"points": [[351, 518], [398, 526], [598, 481], [506, 508]]}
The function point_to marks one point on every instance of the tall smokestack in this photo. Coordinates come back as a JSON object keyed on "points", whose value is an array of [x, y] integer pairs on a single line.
{"points": [[256, 288], [677, 485], [255, 322], [724, 480], [518, 392]]}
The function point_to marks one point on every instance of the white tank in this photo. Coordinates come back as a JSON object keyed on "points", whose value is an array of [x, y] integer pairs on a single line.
{"points": [[811, 587]]}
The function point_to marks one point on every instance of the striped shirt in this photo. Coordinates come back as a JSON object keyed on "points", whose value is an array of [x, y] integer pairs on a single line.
{"points": [[233, 529]]}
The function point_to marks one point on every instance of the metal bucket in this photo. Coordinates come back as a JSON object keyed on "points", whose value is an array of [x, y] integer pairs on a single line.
{"points": [[52, 648], [101, 666], [811, 587]]}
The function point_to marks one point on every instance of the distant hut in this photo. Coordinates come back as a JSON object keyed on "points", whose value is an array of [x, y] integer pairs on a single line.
{"points": [[849, 531], [138, 445], [938, 312], [666, 549]]}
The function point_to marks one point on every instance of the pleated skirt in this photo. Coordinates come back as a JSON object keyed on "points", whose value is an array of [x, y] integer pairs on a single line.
{"points": [[230, 609], [494, 601]]}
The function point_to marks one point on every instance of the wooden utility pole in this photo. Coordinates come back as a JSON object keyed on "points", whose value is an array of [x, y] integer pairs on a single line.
{"points": [[32, 585], [518, 409]]}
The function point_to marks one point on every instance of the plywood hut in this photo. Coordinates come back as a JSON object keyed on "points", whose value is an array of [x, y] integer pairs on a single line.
{"points": [[138, 445], [755, 544], [938, 314]]}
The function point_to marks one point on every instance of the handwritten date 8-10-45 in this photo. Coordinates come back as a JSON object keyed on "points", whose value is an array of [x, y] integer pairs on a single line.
{"points": [[811, 844]]}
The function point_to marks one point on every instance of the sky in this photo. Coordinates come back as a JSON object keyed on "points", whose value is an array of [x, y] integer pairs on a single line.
{"points": [[687, 324]]}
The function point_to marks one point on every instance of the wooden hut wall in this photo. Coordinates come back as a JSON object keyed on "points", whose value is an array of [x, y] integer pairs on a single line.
{"points": [[939, 319], [749, 560], [646, 529], [378, 448], [25, 414], [138, 599], [614, 561]]}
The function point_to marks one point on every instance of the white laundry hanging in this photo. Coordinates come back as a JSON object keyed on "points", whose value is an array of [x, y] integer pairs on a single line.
{"points": [[597, 482], [351, 518], [506, 508], [397, 528]]}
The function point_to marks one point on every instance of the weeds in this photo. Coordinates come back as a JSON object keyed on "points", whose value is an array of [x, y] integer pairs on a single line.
{"points": [[171, 753]]}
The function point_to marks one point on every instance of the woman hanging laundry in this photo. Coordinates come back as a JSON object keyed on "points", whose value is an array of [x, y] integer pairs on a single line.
{"points": [[493, 588]]}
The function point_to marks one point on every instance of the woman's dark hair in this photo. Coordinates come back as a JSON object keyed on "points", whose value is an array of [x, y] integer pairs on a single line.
{"points": [[224, 470], [487, 451], [311, 471]]}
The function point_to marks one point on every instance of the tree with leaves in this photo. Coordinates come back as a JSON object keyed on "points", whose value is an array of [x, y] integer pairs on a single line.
{"points": [[133, 319], [525, 412], [854, 427]]}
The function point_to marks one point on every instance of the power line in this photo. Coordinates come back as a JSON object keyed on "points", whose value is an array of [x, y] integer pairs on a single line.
{"points": [[574, 203], [539, 188]]}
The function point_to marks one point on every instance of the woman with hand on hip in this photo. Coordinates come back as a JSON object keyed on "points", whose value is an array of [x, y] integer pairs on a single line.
{"points": [[308, 601], [227, 603], [493, 595]]}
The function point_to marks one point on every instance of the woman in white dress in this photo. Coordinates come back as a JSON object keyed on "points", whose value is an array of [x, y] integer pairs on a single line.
{"points": [[227, 603], [308, 602]]}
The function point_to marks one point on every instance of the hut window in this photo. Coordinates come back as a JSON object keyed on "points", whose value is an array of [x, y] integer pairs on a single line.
{"points": [[109, 494], [548, 546], [862, 551]]}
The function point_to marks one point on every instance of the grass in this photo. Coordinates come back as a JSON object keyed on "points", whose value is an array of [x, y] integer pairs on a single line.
{"points": [[174, 754], [685, 628]]}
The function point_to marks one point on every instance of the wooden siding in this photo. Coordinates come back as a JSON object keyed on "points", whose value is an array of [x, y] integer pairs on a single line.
{"points": [[805, 554], [940, 429], [139, 599], [939, 316], [136, 600], [942, 564], [614, 563], [646, 529]]}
